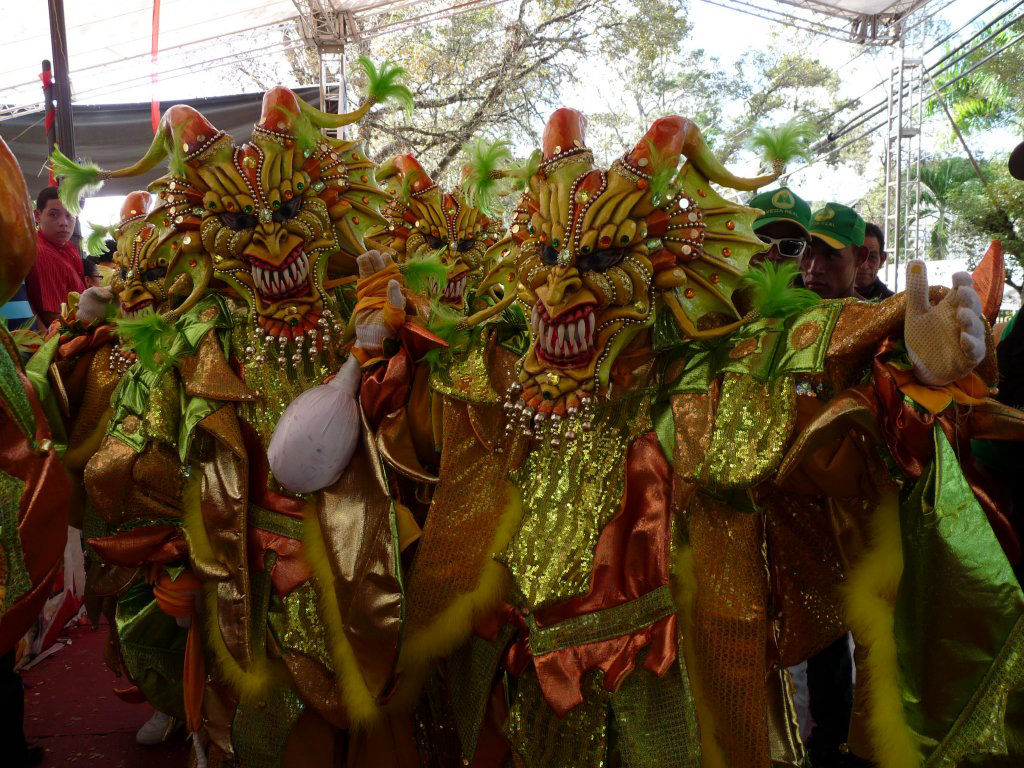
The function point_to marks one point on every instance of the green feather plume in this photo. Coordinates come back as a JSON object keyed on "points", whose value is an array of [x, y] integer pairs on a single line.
{"points": [[384, 85], [306, 134], [172, 145], [789, 141], [484, 158], [151, 337], [773, 292], [76, 180], [405, 190], [521, 174], [444, 323], [418, 271], [663, 170], [95, 243]]}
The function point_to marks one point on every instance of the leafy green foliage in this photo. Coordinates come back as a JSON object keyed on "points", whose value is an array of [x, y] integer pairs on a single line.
{"points": [[484, 159], [773, 293]]}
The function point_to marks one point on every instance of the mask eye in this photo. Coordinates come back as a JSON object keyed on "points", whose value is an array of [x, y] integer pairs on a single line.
{"points": [[465, 245], [434, 242], [549, 255], [124, 273], [238, 221], [154, 274], [599, 261], [288, 210]]}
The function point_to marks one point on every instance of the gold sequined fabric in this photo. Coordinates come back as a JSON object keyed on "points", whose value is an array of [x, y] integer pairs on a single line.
{"points": [[569, 493], [467, 375], [163, 410], [540, 739], [752, 426], [100, 382], [297, 626], [730, 625], [467, 504], [654, 720], [276, 384]]}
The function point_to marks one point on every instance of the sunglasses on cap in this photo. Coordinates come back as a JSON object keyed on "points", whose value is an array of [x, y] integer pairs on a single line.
{"points": [[789, 247]]}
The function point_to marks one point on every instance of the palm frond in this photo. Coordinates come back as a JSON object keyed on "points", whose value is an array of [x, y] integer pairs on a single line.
{"points": [[484, 159], [383, 84], [780, 146], [76, 180]]}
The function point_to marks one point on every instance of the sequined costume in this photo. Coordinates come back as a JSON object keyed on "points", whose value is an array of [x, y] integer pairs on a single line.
{"points": [[299, 597], [684, 487], [34, 488]]}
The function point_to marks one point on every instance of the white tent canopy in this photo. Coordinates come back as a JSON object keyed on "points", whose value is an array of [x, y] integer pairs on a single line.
{"points": [[109, 43]]}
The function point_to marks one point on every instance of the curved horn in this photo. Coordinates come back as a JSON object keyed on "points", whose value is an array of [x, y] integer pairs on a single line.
{"points": [[182, 131], [675, 136]]}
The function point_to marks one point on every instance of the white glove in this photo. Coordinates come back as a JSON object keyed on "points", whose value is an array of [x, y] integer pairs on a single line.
{"points": [[317, 435], [373, 326], [93, 303], [946, 341]]}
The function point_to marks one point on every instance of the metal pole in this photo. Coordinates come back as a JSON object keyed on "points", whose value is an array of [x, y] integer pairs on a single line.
{"points": [[342, 89], [61, 81]]}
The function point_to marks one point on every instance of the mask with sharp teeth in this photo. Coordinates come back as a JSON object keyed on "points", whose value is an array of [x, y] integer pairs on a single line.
{"points": [[424, 220], [286, 209], [602, 252], [160, 262], [160, 265]]}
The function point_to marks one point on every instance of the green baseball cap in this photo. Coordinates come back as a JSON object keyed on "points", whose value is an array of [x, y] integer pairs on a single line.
{"points": [[838, 225], [782, 204]]}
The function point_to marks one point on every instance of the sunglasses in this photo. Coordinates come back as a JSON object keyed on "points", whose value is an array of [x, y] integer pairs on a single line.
{"points": [[789, 247]]}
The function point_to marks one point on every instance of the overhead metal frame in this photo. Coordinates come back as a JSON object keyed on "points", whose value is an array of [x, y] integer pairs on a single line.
{"points": [[832, 19]]}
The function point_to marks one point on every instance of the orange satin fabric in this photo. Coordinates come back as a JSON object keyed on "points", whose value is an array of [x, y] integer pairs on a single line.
{"points": [[160, 544], [177, 597], [631, 559], [42, 514], [386, 388], [908, 435]]}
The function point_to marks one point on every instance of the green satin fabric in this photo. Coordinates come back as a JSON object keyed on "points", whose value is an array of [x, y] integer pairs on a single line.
{"points": [[153, 648], [956, 621]]}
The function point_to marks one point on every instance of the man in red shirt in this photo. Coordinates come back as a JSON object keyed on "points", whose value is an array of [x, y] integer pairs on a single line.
{"points": [[59, 268]]}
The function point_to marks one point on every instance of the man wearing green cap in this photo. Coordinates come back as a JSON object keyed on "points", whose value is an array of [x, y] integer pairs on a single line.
{"points": [[829, 267], [783, 226]]}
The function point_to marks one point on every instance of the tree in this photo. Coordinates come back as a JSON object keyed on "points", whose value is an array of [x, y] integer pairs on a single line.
{"points": [[940, 180], [996, 211]]}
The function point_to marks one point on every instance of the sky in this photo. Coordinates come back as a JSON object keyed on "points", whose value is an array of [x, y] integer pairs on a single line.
{"points": [[26, 32]]}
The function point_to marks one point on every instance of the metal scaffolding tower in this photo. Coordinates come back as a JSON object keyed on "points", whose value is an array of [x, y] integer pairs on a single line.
{"points": [[904, 118], [327, 29]]}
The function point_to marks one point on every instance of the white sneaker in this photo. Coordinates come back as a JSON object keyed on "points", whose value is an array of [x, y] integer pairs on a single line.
{"points": [[157, 729]]}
